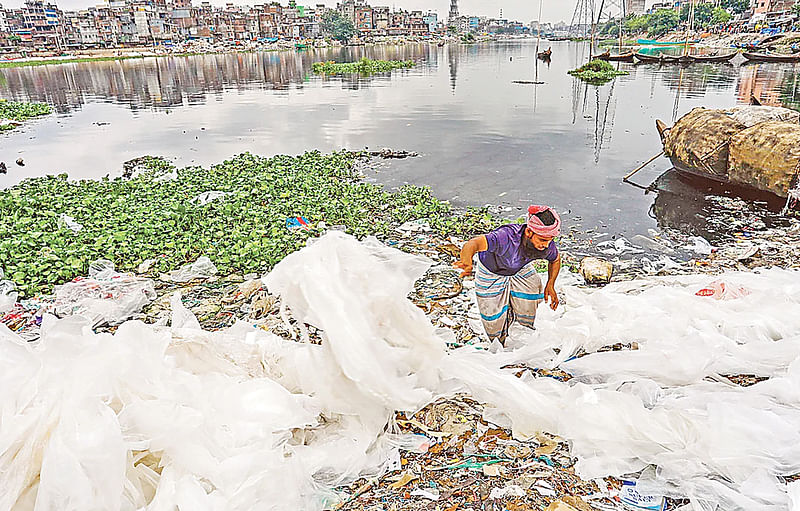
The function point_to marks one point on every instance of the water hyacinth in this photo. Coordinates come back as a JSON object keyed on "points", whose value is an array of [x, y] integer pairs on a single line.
{"points": [[364, 66], [20, 111], [597, 72], [129, 221]]}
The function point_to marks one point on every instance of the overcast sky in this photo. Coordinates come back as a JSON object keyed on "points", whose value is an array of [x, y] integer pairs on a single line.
{"points": [[520, 10]]}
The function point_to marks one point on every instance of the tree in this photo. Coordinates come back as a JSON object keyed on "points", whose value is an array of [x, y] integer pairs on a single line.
{"points": [[337, 26], [735, 6], [663, 21], [796, 9], [702, 15], [720, 16]]}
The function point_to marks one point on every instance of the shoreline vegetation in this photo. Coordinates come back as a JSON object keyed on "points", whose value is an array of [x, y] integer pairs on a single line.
{"points": [[13, 113], [365, 66], [596, 72], [237, 213]]}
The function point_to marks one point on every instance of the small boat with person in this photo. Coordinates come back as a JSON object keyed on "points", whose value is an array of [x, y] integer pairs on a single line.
{"points": [[545, 55]]}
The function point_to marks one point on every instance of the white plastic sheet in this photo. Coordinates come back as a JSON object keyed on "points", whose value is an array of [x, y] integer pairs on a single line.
{"points": [[105, 296], [154, 418]]}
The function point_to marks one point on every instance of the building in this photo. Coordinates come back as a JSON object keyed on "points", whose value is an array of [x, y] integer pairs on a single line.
{"points": [[635, 7], [432, 20]]}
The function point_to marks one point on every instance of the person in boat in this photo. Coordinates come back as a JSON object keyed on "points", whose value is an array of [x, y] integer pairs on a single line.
{"points": [[507, 285]]}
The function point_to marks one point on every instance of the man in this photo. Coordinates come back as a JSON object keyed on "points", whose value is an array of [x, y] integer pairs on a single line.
{"points": [[507, 285]]}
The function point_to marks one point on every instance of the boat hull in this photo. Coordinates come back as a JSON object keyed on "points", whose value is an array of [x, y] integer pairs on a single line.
{"points": [[764, 57]]}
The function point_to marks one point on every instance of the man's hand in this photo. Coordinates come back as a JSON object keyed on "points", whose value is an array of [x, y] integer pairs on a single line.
{"points": [[551, 296], [463, 266]]}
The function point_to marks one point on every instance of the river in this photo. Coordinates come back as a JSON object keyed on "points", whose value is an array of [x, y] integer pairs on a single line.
{"points": [[482, 139]]}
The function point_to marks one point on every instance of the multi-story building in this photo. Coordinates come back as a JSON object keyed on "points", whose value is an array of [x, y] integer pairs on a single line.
{"points": [[155, 22], [432, 20], [635, 7], [363, 20]]}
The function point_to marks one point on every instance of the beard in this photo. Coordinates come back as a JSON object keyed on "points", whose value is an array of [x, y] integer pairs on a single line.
{"points": [[528, 248]]}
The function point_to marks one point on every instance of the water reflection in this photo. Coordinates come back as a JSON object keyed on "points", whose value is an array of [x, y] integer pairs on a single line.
{"points": [[168, 82], [689, 205], [773, 84]]}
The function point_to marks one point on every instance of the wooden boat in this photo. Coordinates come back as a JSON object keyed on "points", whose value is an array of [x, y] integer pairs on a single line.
{"points": [[770, 57], [711, 58], [622, 57], [659, 59], [648, 59], [545, 55], [440, 44], [755, 147]]}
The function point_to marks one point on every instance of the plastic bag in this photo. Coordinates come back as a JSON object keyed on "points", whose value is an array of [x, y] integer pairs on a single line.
{"points": [[8, 294], [719, 290], [203, 268], [67, 222], [206, 197], [105, 296]]}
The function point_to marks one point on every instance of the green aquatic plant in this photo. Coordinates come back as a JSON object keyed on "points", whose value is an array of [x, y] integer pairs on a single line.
{"points": [[155, 215], [20, 111], [364, 66], [597, 72]]}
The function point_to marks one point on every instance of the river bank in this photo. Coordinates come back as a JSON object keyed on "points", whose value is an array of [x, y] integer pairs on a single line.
{"points": [[247, 213], [191, 48]]}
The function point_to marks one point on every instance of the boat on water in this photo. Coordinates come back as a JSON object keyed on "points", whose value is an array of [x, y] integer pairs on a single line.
{"points": [[771, 57], [657, 59], [653, 42], [756, 147], [711, 58], [545, 55], [622, 57]]}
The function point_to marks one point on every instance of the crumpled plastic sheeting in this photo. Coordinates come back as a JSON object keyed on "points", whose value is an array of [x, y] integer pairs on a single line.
{"points": [[105, 295], [154, 418]]}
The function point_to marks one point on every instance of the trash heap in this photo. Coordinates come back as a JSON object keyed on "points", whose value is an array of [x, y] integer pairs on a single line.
{"points": [[371, 410]]}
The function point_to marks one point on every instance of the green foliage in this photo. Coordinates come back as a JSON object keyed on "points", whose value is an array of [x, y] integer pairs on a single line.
{"points": [[735, 6], [662, 21], [131, 220], [702, 14], [468, 38], [337, 26], [364, 66], [720, 16], [796, 9], [597, 72], [20, 111]]}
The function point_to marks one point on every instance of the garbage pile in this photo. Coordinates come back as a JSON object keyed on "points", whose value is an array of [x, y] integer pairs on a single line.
{"points": [[367, 408]]}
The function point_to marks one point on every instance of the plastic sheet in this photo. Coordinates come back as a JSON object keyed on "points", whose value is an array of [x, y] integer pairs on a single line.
{"points": [[8, 293], [105, 296], [162, 418], [203, 268]]}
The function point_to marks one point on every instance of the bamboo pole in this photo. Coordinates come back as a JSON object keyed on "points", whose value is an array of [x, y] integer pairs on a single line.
{"points": [[643, 165]]}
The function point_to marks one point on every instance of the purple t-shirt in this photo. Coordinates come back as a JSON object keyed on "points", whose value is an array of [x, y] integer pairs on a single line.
{"points": [[506, 256]]}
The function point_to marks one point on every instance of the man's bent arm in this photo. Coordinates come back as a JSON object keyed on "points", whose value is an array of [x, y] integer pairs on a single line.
{"points": [[553, 268]]}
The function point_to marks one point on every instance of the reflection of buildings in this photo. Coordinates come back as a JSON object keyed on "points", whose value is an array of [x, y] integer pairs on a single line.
{"points": [[695, 80], [452, 62], [770, 84], [166, 82]]}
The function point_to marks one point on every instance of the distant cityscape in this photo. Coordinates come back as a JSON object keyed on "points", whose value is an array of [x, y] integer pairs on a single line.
{"points": [[129, 23], [162, 22]]}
